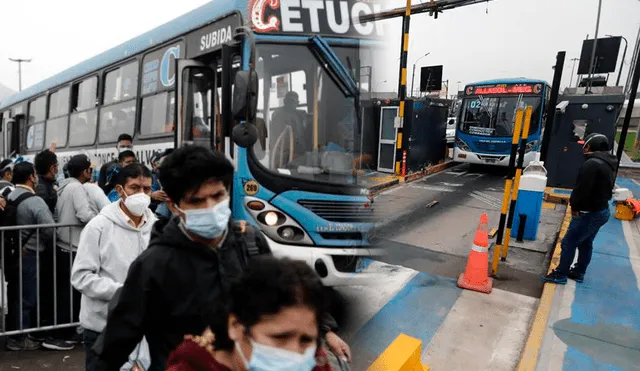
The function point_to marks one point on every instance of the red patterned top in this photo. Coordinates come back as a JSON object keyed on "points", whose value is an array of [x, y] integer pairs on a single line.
{"points": [[190, 356]]}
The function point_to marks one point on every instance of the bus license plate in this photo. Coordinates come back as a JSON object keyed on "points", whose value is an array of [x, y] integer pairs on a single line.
{"points": [[490, 160]]}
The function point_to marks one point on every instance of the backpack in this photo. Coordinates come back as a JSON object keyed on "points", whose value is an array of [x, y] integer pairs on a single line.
{"points": [[246, 233], [9, 218]]}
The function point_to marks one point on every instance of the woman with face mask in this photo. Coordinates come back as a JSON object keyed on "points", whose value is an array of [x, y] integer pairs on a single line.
{"points": [[271, 322], [108, 245]]}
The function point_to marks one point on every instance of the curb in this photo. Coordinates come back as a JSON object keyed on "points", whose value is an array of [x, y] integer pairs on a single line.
{"points": [[531, 350]]}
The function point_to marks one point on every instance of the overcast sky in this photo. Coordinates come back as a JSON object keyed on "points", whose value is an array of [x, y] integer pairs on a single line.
{"points": [[507, 38]]}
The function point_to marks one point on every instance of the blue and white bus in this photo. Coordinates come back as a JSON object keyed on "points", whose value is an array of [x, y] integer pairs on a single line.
{"points": [[487, 115], [221, 76]]}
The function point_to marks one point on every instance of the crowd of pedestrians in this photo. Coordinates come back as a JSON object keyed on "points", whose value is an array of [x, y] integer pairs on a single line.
{"points": [[155, 270]]}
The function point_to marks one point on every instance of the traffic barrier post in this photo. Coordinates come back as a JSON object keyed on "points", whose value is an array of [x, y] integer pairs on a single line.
{"points": [[507, 190], [516, 183]]}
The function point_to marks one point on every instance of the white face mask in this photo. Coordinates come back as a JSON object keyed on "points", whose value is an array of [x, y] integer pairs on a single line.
{"points": [[267, 358], [137, 203]]}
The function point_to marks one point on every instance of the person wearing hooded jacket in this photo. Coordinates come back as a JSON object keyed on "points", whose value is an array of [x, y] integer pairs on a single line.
{"points": [[589, 208], [108, 245], [173, 288]]}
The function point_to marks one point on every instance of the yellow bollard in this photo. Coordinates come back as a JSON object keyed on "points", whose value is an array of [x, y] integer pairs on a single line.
{"points": [[402, 355]]}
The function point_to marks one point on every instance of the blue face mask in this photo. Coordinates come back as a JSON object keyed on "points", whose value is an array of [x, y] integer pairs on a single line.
{"points": [[208, 223], [266, 358]]}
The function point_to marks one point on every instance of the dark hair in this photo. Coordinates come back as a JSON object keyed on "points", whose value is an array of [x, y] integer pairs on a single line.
{"points": [[135, 170], [22, 172], [5, 166], [125, 154], [125, 136], [266, 287], [188, 168], [77, 164], [44, 160]]}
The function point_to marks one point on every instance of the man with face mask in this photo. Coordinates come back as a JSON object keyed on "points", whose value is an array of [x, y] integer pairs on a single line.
{"points": [[589, 207], [108, 245], [175, 286], [125, 143]]}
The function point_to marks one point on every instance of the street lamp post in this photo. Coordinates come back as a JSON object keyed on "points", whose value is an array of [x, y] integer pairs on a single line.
{"points": [[413, 75], [20, 61], [624, 54], [574, 60]]}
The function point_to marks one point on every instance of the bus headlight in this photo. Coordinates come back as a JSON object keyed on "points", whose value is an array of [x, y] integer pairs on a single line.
{"points": [[276, 224], [530, 145], [462, 145]]}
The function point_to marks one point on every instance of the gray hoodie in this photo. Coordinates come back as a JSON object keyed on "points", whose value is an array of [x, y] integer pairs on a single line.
{"points": [[31, 211], [73, 207], [108, 245]]}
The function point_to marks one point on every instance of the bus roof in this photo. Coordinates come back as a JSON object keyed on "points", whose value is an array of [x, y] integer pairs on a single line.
{"points": [[186, 22], [517, 80]]}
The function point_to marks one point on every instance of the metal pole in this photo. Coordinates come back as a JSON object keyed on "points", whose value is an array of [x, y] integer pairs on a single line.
{"points": [[624, 55], [634, 57], [551, 106], [595, 44], [19, 61], [627, 117], [516, 182], [413, 77], [507, 190], [402, 88], [573, 70]]}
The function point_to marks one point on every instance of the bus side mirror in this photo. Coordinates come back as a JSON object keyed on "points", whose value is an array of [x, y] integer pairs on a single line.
{"points": [[245, 96]]}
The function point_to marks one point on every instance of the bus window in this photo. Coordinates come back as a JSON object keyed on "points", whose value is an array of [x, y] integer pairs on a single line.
{"points": [[83, 120], [57, 124], [157, 114], [35, 124], [121, 84], [115, 120]]}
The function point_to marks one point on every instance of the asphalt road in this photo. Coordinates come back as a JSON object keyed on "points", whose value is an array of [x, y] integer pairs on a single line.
{"points": [[436, 239]]}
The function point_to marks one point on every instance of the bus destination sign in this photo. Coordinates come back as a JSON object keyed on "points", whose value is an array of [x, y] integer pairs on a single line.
{"points": [[504, 89], [324, 17]]}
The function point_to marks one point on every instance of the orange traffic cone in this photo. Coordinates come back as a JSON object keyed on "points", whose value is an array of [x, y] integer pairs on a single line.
{"points": [[476, 275]]}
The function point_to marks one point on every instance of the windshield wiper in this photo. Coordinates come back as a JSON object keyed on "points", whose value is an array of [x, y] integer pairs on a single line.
{"points": [[333, 66]]}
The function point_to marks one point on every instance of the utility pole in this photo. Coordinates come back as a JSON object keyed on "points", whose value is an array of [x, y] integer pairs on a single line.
{"points": [[593, 51], [413, 75], [20, 61], [574, 60]]}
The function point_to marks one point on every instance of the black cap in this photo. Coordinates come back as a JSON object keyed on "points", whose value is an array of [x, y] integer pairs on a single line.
{"points": [[596, 142], [78, 163]]}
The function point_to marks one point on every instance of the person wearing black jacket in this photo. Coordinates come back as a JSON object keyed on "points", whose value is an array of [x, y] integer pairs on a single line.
{"points": [[589, 207], [46, 163], [174, 287]]}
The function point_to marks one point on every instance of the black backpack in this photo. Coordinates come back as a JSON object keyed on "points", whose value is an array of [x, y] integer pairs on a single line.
{"points": [[246, 233], [9, 218]]}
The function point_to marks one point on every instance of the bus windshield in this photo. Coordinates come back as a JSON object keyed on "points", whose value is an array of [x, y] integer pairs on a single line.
{"points": [[307, 125], [494, 116]]}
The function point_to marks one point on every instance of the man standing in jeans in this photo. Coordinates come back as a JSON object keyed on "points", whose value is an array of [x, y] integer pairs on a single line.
{"points": [[589, 208]]}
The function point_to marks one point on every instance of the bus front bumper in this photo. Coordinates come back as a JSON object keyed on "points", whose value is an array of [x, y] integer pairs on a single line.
{"points": [[487, 159], [321, 260]]}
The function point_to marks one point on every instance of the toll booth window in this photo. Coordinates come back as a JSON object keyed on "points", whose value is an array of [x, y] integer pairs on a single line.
{"points": [[115, 120], [35, 124], [84, 116], [57, 124], [121, 84], [157, 114]]}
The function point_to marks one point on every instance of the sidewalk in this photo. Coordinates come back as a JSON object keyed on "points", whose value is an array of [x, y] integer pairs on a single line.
{"points": [[594, 325]]}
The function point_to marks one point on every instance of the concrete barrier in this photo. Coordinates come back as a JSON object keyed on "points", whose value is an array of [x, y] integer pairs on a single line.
{"points": [[402, 355]]}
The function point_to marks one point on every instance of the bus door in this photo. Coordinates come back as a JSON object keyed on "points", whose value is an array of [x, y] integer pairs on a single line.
{"points": [[15, 132]]}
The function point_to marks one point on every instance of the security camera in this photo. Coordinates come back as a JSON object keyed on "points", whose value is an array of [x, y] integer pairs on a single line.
{"points": [[562, 106]]}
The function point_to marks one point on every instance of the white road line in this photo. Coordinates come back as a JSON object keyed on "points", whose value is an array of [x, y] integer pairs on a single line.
{"points": [[389, 191], [488, 196], [474, 175], [451, 184], [482, 199]]}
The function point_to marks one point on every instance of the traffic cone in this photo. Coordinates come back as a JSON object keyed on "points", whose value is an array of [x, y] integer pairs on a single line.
{"points": [[476, 275]]}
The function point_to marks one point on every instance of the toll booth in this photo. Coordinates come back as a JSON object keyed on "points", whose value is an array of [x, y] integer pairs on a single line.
{"points": [[577, 116], [424, 132]]}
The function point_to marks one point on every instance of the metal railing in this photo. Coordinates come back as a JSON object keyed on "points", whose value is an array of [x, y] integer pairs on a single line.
{"points": [[16, 268]]}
